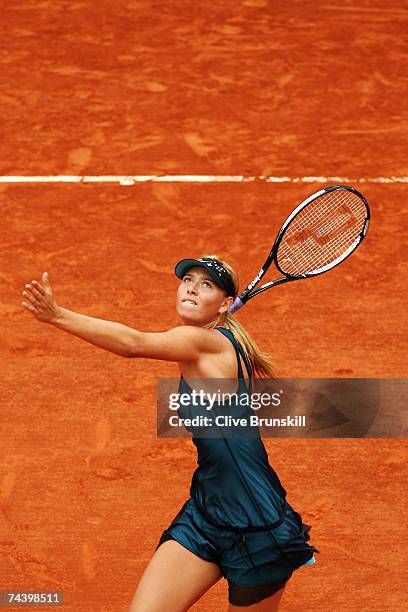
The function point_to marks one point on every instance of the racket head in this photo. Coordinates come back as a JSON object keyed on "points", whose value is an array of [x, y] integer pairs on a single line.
{"points": [[321, 232]]}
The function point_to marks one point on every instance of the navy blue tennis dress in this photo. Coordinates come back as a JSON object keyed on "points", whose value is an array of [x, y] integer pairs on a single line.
{"points": [[237, 515]]}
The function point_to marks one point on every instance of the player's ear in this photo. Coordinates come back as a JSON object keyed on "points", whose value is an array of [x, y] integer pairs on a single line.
{"points": [[226, 304]]}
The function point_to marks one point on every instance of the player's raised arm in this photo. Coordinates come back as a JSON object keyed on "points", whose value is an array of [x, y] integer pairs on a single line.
{"points": [[181, 344]]}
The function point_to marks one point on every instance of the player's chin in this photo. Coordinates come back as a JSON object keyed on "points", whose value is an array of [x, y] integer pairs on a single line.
{"points": [[189, 313]]}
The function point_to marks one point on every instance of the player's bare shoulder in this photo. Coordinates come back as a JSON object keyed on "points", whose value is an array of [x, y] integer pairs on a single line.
{"points": [[207, 340]]}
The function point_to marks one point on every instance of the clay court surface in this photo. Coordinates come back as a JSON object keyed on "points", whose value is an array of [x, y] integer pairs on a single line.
{"points": [[248, 88]]}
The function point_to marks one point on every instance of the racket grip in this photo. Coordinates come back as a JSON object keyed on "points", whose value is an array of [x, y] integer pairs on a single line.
{"points": [[235, 306]]}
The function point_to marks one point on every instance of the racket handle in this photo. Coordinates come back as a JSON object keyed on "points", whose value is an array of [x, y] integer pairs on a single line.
{"points": [[235, 306]]}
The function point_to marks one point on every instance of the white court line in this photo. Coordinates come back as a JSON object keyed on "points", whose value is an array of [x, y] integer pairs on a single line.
{"points": [[196, 178]]}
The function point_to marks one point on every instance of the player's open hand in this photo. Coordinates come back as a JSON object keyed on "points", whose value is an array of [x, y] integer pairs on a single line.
{"points": [[40, 300]]}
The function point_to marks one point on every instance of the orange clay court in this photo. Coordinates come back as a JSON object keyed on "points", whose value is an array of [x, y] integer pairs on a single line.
{"points": [[251, 88]]}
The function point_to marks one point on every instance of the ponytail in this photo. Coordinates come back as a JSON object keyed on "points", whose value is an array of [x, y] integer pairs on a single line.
{"points": [[260, 361]]}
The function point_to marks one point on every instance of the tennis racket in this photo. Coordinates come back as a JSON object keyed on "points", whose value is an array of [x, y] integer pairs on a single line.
{"points": [[317, 236]]}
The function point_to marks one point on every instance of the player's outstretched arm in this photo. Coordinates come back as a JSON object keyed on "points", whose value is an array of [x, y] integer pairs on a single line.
{"points": [[108, 335], [182, 344]]}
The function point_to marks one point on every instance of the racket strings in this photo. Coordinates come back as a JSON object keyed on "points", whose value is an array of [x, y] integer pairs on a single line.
{"points": [[322, 232], [317, 250], [323, 244]]}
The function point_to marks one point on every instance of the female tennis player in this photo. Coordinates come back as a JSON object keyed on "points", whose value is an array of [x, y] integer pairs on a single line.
{"points": [[237, 523]]}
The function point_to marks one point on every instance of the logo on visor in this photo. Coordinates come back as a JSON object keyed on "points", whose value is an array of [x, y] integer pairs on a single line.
{"points": [[214, 264]]}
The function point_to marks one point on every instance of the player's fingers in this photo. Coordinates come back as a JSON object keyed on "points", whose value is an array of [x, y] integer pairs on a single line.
{"points": [[29, 307], [35, 292], [39, 287], [31, 297]]}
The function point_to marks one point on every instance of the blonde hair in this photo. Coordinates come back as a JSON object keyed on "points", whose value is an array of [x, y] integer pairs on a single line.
{"points": [[261, 362]]}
